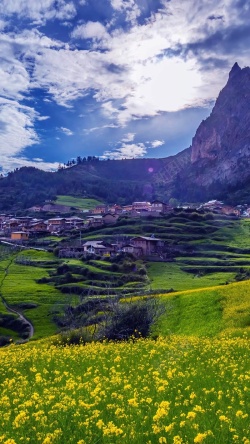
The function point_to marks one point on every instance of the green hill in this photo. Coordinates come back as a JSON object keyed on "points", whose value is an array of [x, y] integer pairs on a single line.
{"points": [[113, 181]]}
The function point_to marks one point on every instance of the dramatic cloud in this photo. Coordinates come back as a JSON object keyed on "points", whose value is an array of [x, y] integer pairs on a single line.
{"points": [[117, 63]]}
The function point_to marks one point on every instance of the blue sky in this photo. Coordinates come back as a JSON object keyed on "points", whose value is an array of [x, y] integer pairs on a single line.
{"points": [[112, 78]]}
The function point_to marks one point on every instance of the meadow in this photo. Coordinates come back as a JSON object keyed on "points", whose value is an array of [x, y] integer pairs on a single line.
{"points": [[77, 202]]}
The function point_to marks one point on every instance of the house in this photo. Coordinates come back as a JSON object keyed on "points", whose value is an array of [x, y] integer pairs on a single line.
{"points": [[148, 245], [132, 249], [127, 208], [19, 235], [95, 221], [74, 222], [38, 227], [115, 209], [140, 206], [160, 207], [12, 224], [56, 224], [99, 209], [109, 218], [98, 247]]}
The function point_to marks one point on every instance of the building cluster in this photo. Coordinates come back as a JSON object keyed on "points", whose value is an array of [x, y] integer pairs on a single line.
{"points": [[138, 246], [219, 207], [21, 228]]}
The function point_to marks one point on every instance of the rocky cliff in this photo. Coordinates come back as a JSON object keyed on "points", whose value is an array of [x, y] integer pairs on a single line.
{"points": [[220, 150], [226, 131]]}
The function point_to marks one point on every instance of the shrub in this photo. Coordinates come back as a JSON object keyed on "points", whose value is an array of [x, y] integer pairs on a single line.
{"points": [[133, 319]]}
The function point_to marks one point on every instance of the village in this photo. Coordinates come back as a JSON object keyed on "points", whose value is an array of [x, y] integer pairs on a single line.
{"points": [[24, 230]]}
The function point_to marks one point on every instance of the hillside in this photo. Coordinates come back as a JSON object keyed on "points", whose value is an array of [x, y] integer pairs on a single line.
{"points": [[120, 181]]}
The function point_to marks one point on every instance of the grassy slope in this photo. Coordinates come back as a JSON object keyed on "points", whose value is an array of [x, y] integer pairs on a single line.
{"points": [[207, 311], [20, 286], [77, 202], [164, 275]]}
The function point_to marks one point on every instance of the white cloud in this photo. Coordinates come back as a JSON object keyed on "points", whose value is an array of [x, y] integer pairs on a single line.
{"points": [[98, 128], [126, 151], [157, 143], [129, 137], [129, 7], [90, 30], [41, 118], [16, 133], [16, 127], [10, 163], [38, 10], [66, 131]]}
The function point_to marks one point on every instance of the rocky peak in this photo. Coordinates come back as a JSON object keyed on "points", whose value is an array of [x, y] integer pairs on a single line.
{"points": [[227, 129], [235, 70]]}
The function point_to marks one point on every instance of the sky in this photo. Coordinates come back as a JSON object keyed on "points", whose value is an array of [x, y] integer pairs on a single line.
{"points": [[112, 78]]}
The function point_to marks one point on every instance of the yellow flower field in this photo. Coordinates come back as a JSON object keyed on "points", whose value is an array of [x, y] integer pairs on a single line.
{"points": [[173, 390]]}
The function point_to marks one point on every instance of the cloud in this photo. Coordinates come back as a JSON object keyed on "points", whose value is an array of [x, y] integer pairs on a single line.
{"points": [[156, 143], [98, 128], [16, 132], [38, 10], [17, 123], [41, 118], [10, 163], [66, 131], [126, 151], [129, 7], [177, 58], [129, 137], [90, 30]]}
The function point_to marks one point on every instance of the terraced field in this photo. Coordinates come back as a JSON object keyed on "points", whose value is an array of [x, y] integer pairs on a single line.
{"points": [[205, 251]]}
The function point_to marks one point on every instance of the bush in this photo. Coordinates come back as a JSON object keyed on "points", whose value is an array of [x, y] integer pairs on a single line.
{"points": [[133, 319]]}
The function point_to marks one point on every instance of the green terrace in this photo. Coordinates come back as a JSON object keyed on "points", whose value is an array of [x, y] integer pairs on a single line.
{"points": [[205, 251]]}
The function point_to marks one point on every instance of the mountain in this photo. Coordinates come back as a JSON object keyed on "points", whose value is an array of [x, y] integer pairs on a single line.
{"points": [[217, 165], [220, 150]]}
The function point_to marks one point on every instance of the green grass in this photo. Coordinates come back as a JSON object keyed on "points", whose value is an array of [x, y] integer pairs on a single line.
{"points": [[19, 285], [207, 311], [166, 275], [78, 202], [7, 332]]}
